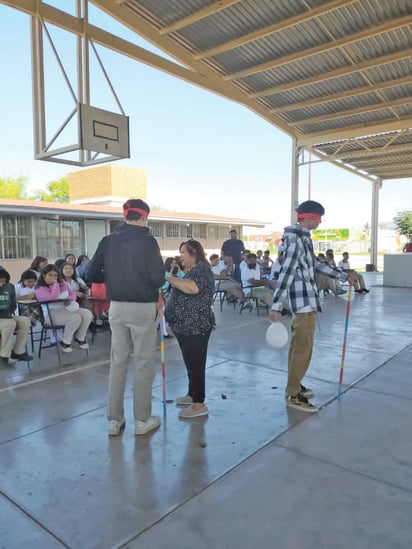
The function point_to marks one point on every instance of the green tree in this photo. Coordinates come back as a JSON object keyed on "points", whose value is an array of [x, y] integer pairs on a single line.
{"points": [[403, 224], [13, 187], [56, 191]]}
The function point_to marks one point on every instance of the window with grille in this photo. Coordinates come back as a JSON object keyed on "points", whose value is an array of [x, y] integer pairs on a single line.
{"points": [[172, 230], [58, 237], [199, 231], [156, 229], [15, 239]]}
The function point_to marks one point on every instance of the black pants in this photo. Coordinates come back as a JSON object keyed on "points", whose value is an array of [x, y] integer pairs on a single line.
{"points": [[194, 351]]}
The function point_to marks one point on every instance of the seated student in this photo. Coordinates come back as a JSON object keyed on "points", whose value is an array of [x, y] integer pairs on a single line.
{"points": [[101, 307], [76, 321], [10, 324], [276, 267], [325, 283], [243, 263], [345, 267], [78, 285], [251, 278], [259, 258], [267, 260], [59, 263], [81, 266], [25, 292], [221, 273], [70, 258], [37, 264]]}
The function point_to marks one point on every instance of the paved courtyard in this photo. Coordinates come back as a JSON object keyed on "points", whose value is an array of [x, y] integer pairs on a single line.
{"points": [[252, 474]]}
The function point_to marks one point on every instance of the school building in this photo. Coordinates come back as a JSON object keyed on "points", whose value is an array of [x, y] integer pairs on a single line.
{"points": [[50, 229]]}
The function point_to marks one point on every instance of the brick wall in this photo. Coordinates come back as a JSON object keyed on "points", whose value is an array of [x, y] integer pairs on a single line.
{"points": [[107, 180]]}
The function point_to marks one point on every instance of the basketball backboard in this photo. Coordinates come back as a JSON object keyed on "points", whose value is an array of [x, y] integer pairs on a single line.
{"points": [[103, 131]]}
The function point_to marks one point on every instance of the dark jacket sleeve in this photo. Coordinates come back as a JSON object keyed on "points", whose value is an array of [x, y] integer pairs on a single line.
{"points": [[13, 303], [94, 267], [155, 264]]}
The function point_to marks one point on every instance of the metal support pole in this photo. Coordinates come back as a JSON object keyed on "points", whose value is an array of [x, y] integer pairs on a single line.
{"points": [[39, 124], [295, 180], [376, 187]]}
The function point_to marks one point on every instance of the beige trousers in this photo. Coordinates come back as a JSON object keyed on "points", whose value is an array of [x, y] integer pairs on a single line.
{"points": [[75, 324], [18, 324], [300, 350], [134, 333]]}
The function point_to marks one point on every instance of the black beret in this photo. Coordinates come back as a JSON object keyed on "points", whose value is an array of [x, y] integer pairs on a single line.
{"points": [[310, 206]]}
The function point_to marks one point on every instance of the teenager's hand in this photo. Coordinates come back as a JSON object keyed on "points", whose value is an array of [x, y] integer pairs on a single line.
{"points": [[275, 316]]}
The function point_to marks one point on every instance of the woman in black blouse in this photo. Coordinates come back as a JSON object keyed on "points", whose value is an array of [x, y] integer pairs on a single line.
{"points": [[190, 316]]}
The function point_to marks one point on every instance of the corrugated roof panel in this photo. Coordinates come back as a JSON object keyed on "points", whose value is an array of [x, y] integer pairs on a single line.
{"points": [[274, 46], [404, 110], [336, 107], [398, 92], [237, 21], [311, 92], [361, 119], [299, 70], [389, 71], [306, 61], [382, 44], [170, 11]]}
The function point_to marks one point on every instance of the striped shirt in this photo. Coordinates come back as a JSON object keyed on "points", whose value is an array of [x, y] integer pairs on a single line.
{"points": [[296, 283]]}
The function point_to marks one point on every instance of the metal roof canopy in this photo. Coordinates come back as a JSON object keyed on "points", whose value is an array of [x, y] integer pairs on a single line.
{"points": [[334, 75]]}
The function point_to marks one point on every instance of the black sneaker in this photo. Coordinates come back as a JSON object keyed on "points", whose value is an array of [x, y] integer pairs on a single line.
{"points": [[300, 402], [305, 391], [23, 356]]}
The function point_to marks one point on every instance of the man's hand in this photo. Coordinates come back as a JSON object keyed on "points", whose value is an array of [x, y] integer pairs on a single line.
{"points": [[275, 316]]}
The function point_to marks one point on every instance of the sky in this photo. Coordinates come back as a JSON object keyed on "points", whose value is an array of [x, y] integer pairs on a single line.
{"points": [[202, 153]]}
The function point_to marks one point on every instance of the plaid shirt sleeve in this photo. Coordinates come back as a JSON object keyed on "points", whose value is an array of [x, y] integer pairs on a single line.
{"points": [[287, 272]]}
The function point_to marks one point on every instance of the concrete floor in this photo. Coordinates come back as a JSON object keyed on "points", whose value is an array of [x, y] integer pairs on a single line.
{"points": [[253, 474]]}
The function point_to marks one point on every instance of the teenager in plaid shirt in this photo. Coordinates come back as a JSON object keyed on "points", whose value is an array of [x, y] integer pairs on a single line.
{"points": [[296, 284]]}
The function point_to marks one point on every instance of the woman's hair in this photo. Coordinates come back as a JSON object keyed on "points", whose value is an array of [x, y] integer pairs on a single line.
{"points": [[81, 258], [48, 269], [168, 264], [59, 263], [74, 275], [29, 274], [35, 264], [213, 256], [195, 249], [69, 255]]}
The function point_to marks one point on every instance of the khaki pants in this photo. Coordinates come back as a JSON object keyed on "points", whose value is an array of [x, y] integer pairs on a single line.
{"points": [[300, 350], [134, 332], [263, 294], [18, 324]]}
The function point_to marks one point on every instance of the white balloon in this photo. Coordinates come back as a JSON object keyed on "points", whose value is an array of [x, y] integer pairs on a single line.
{"points": [[276, 335]]}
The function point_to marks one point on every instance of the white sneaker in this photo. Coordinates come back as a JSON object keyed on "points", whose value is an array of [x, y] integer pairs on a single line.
{"points": [[65, 347], [116, 426], [143, 427], [82, 344]]}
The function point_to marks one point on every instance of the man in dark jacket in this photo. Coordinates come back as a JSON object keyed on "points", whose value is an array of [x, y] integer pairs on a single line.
{"points": [[133, 272], [10, 324], [235, 247]]}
